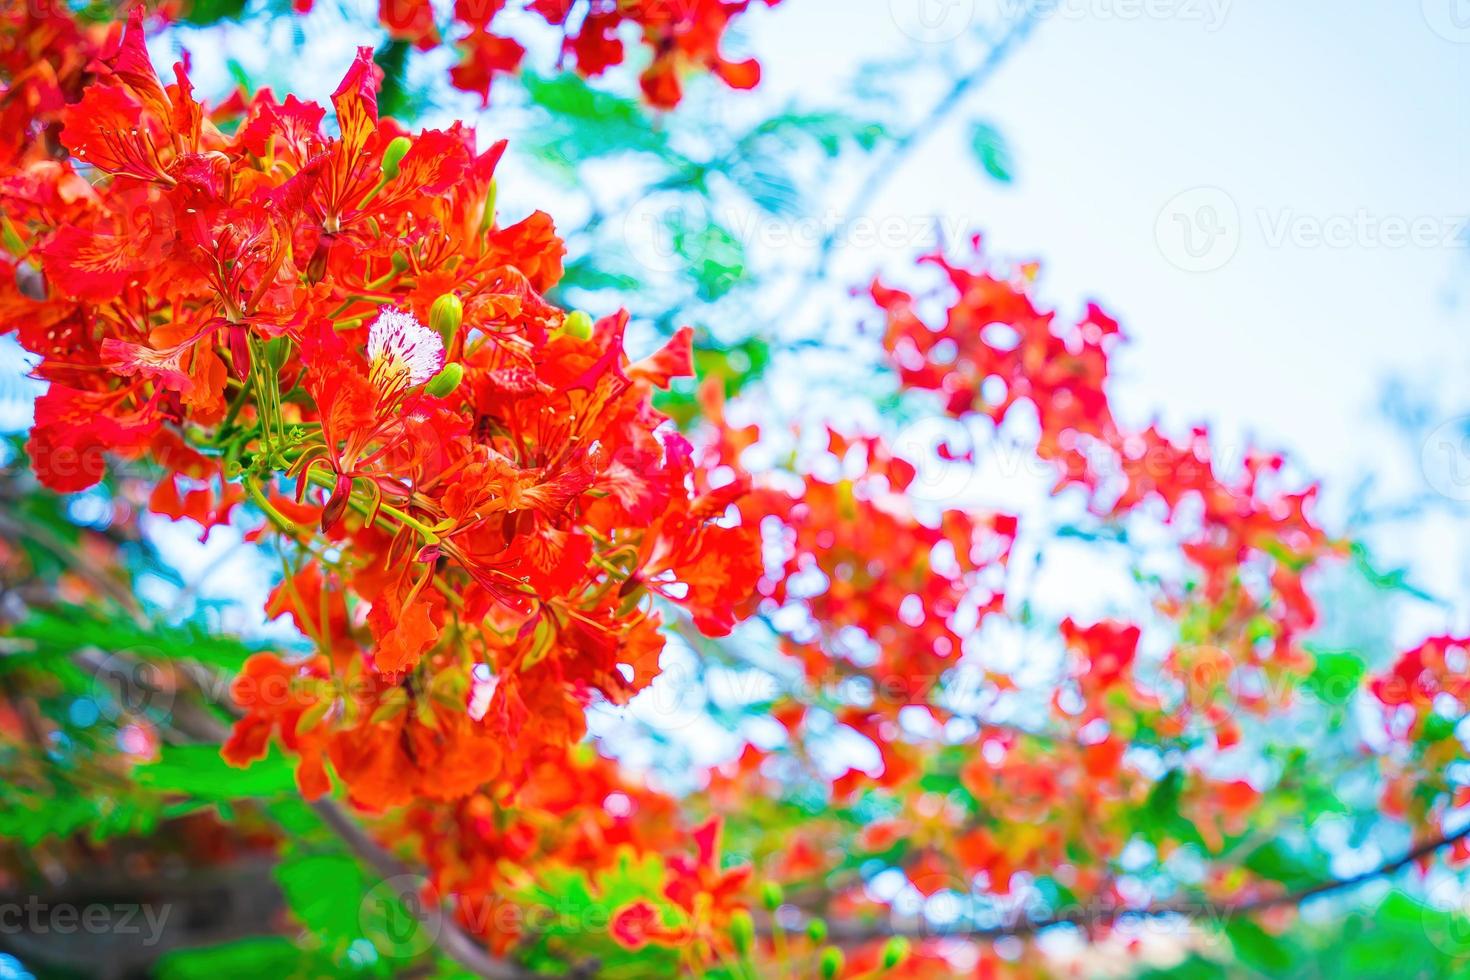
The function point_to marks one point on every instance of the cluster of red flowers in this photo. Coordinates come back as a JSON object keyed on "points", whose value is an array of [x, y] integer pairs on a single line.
{"points": [[481, 504], [1251, 541], [45, 62], [1435, 674], [890, 594], [1424, 696], [506, 861], [681, 36]]}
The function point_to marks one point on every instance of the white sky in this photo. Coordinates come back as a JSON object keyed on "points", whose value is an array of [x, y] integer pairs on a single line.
{"points": [[1301, 111]]}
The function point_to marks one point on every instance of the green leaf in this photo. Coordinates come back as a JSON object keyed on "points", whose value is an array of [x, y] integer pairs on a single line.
{"points": [[206, 12], [831, 131], [584, 123], [1336, 676], [62, 630], [245, 959], [716, 257], [990, 149], [1274, 861], [325, 893], [198, 771], [1257, 948]]}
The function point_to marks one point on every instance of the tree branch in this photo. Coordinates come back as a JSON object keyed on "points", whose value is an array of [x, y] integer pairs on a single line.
{"points": [[858, 932], [888, 163], [200, 724]]}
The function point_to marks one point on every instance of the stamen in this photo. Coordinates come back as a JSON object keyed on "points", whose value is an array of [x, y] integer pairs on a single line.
{"points": [[402, 351]]}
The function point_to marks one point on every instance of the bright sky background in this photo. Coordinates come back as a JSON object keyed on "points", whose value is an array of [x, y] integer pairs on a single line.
{"points": [[1300, 112], [1346, 122]]}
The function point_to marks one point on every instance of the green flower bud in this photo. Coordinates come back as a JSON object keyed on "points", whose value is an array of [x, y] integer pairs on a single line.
{"points": [[771, 895], [393, 156], [577, 324], [487, 217], [816, 931], [742, 931], [445, 316], [832, 962], [443, 384], [895, 951]]}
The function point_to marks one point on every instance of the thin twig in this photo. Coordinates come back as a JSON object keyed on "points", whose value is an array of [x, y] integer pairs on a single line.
{"points": [[858, 932], [888, 163]]}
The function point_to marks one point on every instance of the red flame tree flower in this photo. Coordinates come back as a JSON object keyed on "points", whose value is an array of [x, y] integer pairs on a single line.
{"points": [[482, 493]]}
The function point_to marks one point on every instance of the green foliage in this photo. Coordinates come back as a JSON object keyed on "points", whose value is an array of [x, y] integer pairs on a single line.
{"points": [[198, 771], [574, 910], [1400, 939], [245, 959], [579, 122], [1257, 948], [202, 13], [989, 147], [1336, 676], [60, 631]]}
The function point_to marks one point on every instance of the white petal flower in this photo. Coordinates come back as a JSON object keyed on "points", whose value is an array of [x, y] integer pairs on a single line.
{"points": [[399, 348]]}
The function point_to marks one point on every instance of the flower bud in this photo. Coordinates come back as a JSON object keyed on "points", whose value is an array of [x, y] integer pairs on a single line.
{"points": [[772, 895], [393, 156], [316, 266], [239, 345], [577, 324], [445, 316], [742, 931], [895, 951], [816, 930], [487, 216], [442, 385], [337, 502], [831, 962]]}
